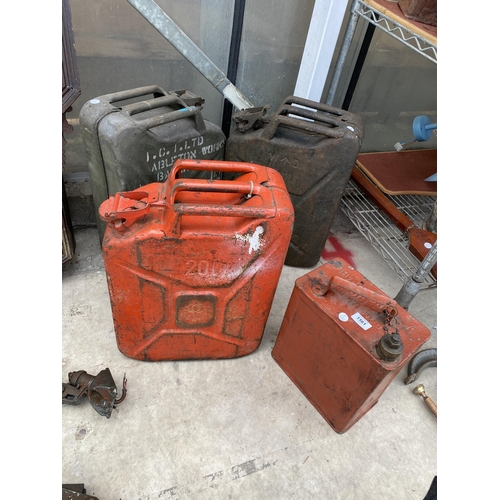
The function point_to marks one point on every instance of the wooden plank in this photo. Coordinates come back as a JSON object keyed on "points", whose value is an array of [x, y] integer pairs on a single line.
{"points": [[401, 172], [393, 12]]}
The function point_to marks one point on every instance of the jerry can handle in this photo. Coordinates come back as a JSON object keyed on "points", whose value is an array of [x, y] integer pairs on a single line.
{"points": [[184, 111], [158, 102], [213, 165], [384, 303], [209, 186], [313, 104], [161, 98], [248, 189], [124, 208], [282, 118], [132, 93]]}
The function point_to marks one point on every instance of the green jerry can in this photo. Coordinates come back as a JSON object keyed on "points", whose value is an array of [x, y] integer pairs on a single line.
{"points": [[132, 138], [314, 147]]}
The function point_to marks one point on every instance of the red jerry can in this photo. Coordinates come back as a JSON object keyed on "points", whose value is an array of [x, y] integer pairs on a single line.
{"points": [[193, 264], [342, 341]]}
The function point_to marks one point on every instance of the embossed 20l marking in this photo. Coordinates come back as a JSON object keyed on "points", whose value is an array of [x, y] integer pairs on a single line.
{"points": [[201, 267]]}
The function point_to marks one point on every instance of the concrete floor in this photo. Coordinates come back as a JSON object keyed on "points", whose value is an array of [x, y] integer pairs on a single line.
{"points": [[235, 429]]}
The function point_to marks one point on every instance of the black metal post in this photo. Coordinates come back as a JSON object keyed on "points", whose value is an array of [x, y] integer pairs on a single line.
{"points": [[232, 65], [363, 51]]}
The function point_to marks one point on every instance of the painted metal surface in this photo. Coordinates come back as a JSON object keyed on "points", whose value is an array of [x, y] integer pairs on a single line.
{"points": [[314, 147], [129, 145], [193, 264], [329, 343]]}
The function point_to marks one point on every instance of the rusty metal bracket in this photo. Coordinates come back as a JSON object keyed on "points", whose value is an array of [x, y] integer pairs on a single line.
{"points": [[100, 390], [422, 360], [251, 118]]}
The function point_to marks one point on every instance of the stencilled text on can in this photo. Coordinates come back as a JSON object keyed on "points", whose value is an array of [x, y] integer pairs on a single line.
{"points": [[162, 160]]}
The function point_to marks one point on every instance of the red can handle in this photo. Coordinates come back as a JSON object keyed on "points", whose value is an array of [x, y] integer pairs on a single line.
{"points": [[248, 188], [382, 302], [219, 186], [124, 208], [215, 165]]}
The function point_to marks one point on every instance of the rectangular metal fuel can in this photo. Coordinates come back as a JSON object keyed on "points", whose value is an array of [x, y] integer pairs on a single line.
{"points": [[193, 264], [314, 147], [133, 138], [343, 341]]}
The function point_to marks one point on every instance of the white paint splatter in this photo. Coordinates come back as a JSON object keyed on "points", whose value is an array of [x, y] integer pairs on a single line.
{"points": [[254, 240]]}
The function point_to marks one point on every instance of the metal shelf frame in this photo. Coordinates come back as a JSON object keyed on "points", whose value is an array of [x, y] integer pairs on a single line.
{"points": [[392, 27], [389, 241], [387, 22]]}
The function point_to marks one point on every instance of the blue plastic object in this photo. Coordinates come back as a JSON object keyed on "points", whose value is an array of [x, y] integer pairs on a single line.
{"points": [[422, 128]]}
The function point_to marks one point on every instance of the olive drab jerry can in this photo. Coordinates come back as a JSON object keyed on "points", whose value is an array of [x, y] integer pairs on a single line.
{"points": [[193, 264], [133, 138], [314, 147], [343, 341]]}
